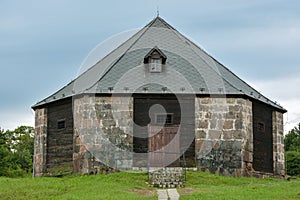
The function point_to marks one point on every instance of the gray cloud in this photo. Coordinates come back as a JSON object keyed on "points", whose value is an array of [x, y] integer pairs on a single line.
{"points": [[43, 43]]}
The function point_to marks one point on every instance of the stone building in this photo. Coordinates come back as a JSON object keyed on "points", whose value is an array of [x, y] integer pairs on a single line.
{"points": [[159, 100]]}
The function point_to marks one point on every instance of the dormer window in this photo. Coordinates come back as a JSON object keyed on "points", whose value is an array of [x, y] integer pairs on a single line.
{"points": [[155, 60]]}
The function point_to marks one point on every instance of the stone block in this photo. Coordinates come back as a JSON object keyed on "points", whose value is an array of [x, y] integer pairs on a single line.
{"points": [[214, 134], [230, 115], [204, 163], [228, 124], [216, 145], [204, 100], [208, 115], [249, 104], [219, 101], [203, 124], [241, 101], [123, 164], [227, 135], [200, 134], [234, 108], [198, 145], [239, 115], [213, 124], [108, 122], [198, 115], [204, 147], [204, 108], [238, 124], [220, 124], [216, 115], [230, 100], [226, 156], [237, 145], [238, 134]]}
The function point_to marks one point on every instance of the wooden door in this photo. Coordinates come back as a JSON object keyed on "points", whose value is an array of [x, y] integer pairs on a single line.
{"points": [[164, 146], [150, 138], [262, 138]]}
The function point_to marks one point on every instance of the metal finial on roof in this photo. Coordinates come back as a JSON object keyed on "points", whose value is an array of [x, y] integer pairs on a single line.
{"points": [[157, 11]]}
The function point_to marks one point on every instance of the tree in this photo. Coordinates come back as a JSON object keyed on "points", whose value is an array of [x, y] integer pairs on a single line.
{"points": [[292, 151], [293, 163], [22, 146], [292, 140], [16, 151], [3, 137], [4, 153]]}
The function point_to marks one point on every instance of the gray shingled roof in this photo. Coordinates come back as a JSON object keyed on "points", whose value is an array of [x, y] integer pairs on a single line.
{"points": [[188, 69]]}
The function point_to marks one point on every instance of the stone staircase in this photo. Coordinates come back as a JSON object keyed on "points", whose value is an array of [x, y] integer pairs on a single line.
{"points": [[167, 178]]}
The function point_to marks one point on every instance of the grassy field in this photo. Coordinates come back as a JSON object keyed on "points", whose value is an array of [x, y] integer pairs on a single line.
{"points": [[207, 186], [126, 185], [113, 186]]}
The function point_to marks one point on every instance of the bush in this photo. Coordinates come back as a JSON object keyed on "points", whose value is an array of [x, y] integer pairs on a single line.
{"points": [[293, 163], [292, 140], [16, 151], [4, 154]]}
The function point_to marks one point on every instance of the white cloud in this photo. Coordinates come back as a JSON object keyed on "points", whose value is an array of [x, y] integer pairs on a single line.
{"points": [[13, 119], [292, 118], [279, 89], [286, 92]]}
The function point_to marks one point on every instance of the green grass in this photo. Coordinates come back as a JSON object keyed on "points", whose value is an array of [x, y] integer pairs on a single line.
{"points": [[119, 186], [208, 186], [127, 185]]}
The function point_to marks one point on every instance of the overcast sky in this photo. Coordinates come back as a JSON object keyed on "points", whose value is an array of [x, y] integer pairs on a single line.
{"points": [[43, 43]]}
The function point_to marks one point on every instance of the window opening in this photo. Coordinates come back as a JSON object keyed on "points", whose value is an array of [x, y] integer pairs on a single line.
{"points": [[61, 124], [164, 118], [261, 127]]}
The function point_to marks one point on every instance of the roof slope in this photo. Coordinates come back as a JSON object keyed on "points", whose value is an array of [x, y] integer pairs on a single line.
{"points": [[188, 69]]}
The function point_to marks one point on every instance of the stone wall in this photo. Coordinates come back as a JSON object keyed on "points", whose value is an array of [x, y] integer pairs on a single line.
{"points": [[167, 178], [40, 141], [278, 144], [103, 133], [223, 135], [103, 136]]}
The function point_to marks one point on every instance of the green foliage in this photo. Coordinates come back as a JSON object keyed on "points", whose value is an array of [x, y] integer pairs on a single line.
{"points": [[4, 162], [16, 151], [292, 151], [292, 140], [293, 163]]}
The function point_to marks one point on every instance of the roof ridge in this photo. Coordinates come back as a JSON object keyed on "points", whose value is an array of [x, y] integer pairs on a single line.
{"points": [[158, 18]]}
